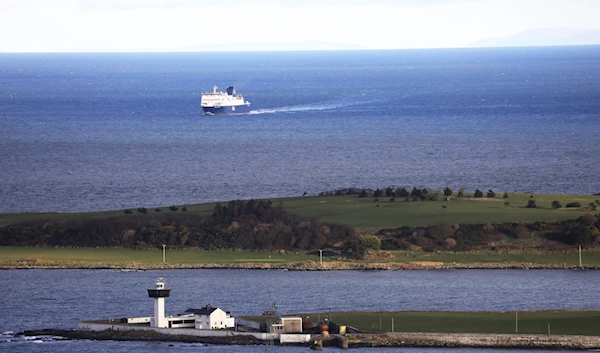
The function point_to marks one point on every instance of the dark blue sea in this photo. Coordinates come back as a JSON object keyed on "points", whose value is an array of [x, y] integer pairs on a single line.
{"points": [[83, 132]]}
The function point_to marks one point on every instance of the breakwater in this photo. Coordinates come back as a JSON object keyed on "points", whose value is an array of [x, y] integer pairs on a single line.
{"points": [[453, 340], [471, 340]]}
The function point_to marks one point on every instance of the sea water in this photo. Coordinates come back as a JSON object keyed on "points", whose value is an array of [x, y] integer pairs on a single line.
{"points": [[86, 132], [37, 299]]}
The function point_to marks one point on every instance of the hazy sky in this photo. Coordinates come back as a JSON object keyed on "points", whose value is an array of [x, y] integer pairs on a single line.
{"points": [[135, 25]]}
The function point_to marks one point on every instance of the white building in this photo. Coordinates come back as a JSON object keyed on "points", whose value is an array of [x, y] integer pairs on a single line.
{"points": [[209, 318], [206, 318]]}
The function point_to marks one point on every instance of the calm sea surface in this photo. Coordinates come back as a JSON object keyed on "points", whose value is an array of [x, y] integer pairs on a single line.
{"points": [[35, 299], [81, 132]]}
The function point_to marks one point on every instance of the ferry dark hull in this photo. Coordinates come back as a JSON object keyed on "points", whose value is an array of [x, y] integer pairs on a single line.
{"points": [[240, 109]]}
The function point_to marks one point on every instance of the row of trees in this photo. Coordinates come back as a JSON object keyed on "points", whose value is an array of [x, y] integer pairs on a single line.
{"points": [[422, 194], [248, 225]]}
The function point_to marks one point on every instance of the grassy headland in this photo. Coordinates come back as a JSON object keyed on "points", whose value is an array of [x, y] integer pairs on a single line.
{"points": [[451, 233], [364, 213]]}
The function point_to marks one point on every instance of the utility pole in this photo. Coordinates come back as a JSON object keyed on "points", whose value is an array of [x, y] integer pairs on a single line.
{"points": [[164, 246], [392, 324], [580, 266], [271, 317], [321, 257], [517, 322]]}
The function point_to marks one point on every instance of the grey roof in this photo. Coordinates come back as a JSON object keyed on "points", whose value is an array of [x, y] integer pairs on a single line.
{"points": [[207, 310]]}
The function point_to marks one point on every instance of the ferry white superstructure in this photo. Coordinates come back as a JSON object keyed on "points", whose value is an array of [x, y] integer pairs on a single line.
{"points": [[228, 102]]}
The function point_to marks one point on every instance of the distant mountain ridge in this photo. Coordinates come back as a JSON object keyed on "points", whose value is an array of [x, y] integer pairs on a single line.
{"points": [[545, 37]]}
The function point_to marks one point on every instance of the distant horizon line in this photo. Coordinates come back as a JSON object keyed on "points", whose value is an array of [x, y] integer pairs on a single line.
{"points": [[289, 50]]}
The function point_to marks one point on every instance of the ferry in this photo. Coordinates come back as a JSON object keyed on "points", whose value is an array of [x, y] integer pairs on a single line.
{"points": [[228, 102]]}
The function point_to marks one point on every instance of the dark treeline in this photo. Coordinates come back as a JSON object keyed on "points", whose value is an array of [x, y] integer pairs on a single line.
{"points": [[246, 225], [505, 236], [416, 194]]}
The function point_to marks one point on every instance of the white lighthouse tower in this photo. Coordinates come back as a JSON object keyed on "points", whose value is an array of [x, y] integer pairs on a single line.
{"points": [[159, 294]]}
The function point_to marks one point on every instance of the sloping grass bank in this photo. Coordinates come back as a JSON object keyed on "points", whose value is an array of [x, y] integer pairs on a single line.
{"points": [[365, 213]]}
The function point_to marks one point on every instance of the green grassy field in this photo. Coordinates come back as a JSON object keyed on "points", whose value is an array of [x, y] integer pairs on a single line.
{"points": [[364, 213], [117, 256], [529, 322]]}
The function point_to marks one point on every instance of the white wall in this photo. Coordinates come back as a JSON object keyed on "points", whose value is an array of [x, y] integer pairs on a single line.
{"points": [[139, 320], [294, 338], [218, 319], [90, 326]]}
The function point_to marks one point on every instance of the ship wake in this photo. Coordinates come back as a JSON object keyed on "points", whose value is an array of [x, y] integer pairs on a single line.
{"points": [[300, 108]]}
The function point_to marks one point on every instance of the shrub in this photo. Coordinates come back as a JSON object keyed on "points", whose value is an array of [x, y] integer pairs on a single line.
{"points": [[363, 193], [461, 192], [507, 204], [491, 194], [402, 192], [127, 212], [142, 210], [173, 208], [432, 197], [505, 195], [592, 206], [369, 242], [389, 192], [556, 204], [184, 209], [393, 199], [376, 199], [573, 234], [478, 193], [157, 210], [447, 191], [378, 193], [573, 204], [415, 192], [531, 204]]}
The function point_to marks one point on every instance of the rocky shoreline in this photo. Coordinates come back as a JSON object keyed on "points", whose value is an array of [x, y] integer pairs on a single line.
{"points": [[471, 340], [299, 266], [413, 339], [131, 335]]}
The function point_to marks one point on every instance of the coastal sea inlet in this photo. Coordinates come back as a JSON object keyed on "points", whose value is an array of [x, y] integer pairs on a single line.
{"points": [[72, 295]]}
